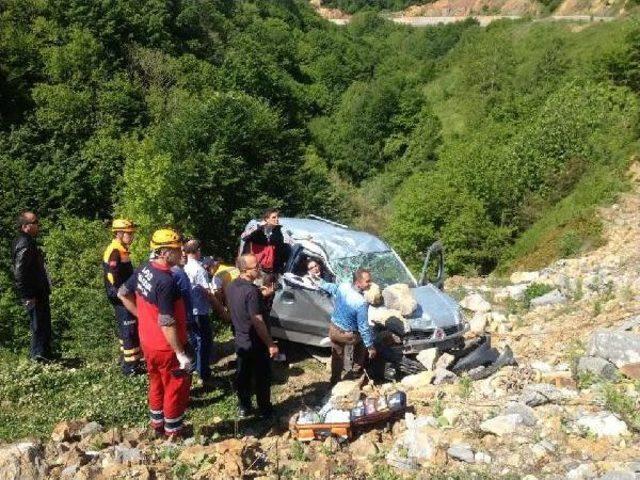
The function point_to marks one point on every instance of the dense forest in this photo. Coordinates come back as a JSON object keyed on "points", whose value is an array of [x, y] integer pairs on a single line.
{"points": [[201, 113]]}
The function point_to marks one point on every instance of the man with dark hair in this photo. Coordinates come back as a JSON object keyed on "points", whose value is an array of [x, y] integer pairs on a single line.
{"points": [[266, 241], [32, 284], [152, 295], [254, 344], [117, 268], [350, 323], [201, 337]]}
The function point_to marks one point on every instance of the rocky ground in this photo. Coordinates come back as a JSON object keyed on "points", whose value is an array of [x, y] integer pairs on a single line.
{"points": [[568, 410]]}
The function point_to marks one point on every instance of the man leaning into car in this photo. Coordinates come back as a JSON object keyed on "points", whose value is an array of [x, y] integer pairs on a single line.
{"points": [[350, 323]]}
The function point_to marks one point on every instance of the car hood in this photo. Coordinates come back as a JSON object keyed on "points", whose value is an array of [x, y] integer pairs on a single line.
{"points": [[435, 309]]}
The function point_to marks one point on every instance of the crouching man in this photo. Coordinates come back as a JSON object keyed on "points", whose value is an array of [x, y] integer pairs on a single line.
{"points": [[350, 323], [153, 296]]}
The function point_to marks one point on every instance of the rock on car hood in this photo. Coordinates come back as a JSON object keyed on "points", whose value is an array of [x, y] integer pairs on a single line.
{"points": [[435, 309]]}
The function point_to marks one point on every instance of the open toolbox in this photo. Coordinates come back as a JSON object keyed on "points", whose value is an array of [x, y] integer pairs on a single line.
{"points": [[345, 430]]}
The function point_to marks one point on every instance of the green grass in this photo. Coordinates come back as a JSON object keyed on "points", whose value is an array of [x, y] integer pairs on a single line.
{"points": [[34, 397], [535, 290], [617, 401], [570, 226]]}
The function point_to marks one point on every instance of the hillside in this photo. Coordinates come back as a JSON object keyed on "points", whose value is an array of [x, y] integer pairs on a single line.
{"points": [[342, 9], [511, 144], [568, 410]]}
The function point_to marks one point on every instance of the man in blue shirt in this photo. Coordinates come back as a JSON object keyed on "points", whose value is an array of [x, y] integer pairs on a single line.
{"points": [[350, 323]]}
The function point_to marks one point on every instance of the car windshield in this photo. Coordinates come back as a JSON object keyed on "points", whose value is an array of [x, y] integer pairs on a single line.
{"points": [[385, 267]]}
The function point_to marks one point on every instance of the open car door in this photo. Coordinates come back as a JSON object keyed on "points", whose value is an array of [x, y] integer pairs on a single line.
{"points": [[433, 267]]}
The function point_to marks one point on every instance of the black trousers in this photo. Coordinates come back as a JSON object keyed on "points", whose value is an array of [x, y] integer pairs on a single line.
{"points": [[253, 373], [129, 341], [40, 325]]}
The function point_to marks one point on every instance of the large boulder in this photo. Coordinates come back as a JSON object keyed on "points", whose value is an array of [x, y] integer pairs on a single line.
{"points": [[597, 366], [554, 297], [476, 303], [514, 292], [427, 357], [373, 295], [462, 452], [22, 461], [399, 297], [603, 424], [619, 475], [620, 348], [503, 424]]}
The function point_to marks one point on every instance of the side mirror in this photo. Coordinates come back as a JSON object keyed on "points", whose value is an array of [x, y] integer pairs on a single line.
{"points": [[433, 267]]}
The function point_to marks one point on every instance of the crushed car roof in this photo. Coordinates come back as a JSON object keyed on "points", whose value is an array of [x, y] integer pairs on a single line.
{"points": [[336, 241]]}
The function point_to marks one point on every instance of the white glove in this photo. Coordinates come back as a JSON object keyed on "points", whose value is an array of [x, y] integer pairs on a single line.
{"points": [[185, 362]]}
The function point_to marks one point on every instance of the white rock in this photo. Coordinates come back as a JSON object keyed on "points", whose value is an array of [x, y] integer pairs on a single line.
{"points": [[516, 292], [620, 348], [475, 303], [419, 380], [444, 376], [399, 297], [503, 424], [541, 366], [22, 461], [498, 317], [482, 457], [619, 475], [427, 357], [527, 413], [413, 444], [478, 323], [127, 455], [552, 298], [445, 361], [603, 424], [582, 472], [451, 414], [524, 277], [420, 422], [539, 452], [462, 452]]}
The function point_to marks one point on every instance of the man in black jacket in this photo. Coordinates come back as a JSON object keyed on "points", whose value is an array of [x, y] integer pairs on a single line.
{"points": [[266, 241], [32, 283]]}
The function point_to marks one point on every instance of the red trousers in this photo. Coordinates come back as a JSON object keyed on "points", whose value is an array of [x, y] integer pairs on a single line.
{"points": [[168, 394]]}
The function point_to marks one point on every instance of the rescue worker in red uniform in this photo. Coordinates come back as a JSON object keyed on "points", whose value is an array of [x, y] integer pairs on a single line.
{"points": [[152, 295], [118, 268]]}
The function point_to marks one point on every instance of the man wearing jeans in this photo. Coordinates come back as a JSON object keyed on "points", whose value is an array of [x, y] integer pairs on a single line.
{"points": [[201, 297], [350, 322], [32, 284]]}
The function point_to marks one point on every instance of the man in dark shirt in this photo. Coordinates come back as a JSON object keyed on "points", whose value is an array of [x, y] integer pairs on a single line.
{"points": [[254, 344], [266, 241], [32, 284]]}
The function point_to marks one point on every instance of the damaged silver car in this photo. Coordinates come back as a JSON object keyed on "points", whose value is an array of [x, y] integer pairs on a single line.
{"points": [[301, 313]]}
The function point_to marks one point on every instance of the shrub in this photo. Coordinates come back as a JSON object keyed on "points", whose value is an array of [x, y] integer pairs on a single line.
{"points": [[82, 317], [535, 290]]}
